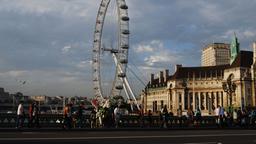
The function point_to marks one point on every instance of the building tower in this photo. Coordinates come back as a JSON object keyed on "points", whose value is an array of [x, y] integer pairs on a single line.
{"points": [[215, 54], [234, 49], [253, 74]]}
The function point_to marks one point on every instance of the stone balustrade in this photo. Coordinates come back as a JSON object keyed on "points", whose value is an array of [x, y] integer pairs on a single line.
{"points": [[127, 121]]}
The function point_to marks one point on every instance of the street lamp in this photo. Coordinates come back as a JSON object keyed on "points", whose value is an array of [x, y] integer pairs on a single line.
{"points": [[229, 87]]}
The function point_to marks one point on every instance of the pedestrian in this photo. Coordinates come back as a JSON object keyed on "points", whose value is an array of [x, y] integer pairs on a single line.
{"points": [[80, 117], [217, 115], [179, 114], [117, 115], [244, 118], [20, 116], [30, 113], [164, 114], [235, 118], [150, 121], [35, 115], [198, 116], [67, 117], [221, 116], [93, 118], [190, 117]]}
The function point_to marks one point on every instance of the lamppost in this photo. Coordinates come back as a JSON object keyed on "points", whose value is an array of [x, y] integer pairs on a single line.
{"points": [[229, 87]]}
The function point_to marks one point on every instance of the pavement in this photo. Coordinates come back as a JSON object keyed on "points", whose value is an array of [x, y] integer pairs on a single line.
{"points": [[25, 129], [118, 136]]}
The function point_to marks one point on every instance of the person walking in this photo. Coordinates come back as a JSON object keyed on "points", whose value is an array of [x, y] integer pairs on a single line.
{"points": [[221, 116], [235, 118], [93, 118], [67, 117], [164, 115], [30, 113], [198, 116], [35, 115], [20, 116], [150, 121], [117, 115], [80, 117]]}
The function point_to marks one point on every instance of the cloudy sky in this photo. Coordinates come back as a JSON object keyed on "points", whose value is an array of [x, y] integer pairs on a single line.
{"points": [[48, 43]]}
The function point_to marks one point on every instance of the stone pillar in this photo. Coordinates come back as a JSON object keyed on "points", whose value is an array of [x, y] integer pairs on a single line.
{"points": [[168, 100], [216, 99], [175, 102], [188, 97], [183, 100], [199, 100], [145, 95], [223, 99], [204, 100], [210, 102], [194, 102], [253, 71]]}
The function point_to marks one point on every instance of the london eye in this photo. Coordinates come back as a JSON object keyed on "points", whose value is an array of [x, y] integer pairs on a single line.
{"points": [[120, 84]]}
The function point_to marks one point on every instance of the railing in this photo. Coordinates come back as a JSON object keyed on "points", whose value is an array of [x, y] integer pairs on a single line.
{"points": [[126, 121]]}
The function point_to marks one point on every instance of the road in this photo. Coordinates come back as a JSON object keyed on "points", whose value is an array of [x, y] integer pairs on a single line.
{"points": [[132, 137]]}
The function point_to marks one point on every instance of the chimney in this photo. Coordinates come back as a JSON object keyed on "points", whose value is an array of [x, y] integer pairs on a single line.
{"points": [[166, 75], [152, 79], [177, 67], [254, 52], [161, 77]]}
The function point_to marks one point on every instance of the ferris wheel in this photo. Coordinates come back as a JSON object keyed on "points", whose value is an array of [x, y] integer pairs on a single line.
{"points": [[119, 54]]}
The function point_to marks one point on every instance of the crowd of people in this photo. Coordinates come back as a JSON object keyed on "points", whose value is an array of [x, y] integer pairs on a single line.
{"points": [[99, 117], [112, 117], [240, 117], [235, 117], [73, 117], [33, 115]]}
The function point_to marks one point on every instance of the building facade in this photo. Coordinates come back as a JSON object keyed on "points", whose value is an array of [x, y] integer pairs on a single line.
{"points": [[215, 54], [203, 87], [4, 96]]}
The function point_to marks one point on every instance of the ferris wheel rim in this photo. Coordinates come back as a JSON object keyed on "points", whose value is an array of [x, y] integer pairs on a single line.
{"points": [[123, 46]]}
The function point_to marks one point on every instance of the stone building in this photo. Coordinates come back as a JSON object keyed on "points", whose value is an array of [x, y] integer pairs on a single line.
{"points": [[202, 87], [4, 96]]}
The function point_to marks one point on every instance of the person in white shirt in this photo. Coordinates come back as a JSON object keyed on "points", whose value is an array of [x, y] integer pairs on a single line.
{"points": [[117, 114], [217, 115], [221, 116], [20, 115]]}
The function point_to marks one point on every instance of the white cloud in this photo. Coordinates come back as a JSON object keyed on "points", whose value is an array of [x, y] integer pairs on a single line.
{"points": [[13, 73], [155, 52], [144, 48], [161, 57], [242, 34], [66, 49], [84, 64], [64, 7], [149, 47], [249, 34], [47, 82]]}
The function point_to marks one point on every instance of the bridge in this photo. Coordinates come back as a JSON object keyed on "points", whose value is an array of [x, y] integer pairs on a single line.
{"points": [[126, 121]]}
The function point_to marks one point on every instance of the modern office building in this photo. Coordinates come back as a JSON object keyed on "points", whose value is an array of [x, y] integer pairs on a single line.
{"points": [[215, 54]]}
